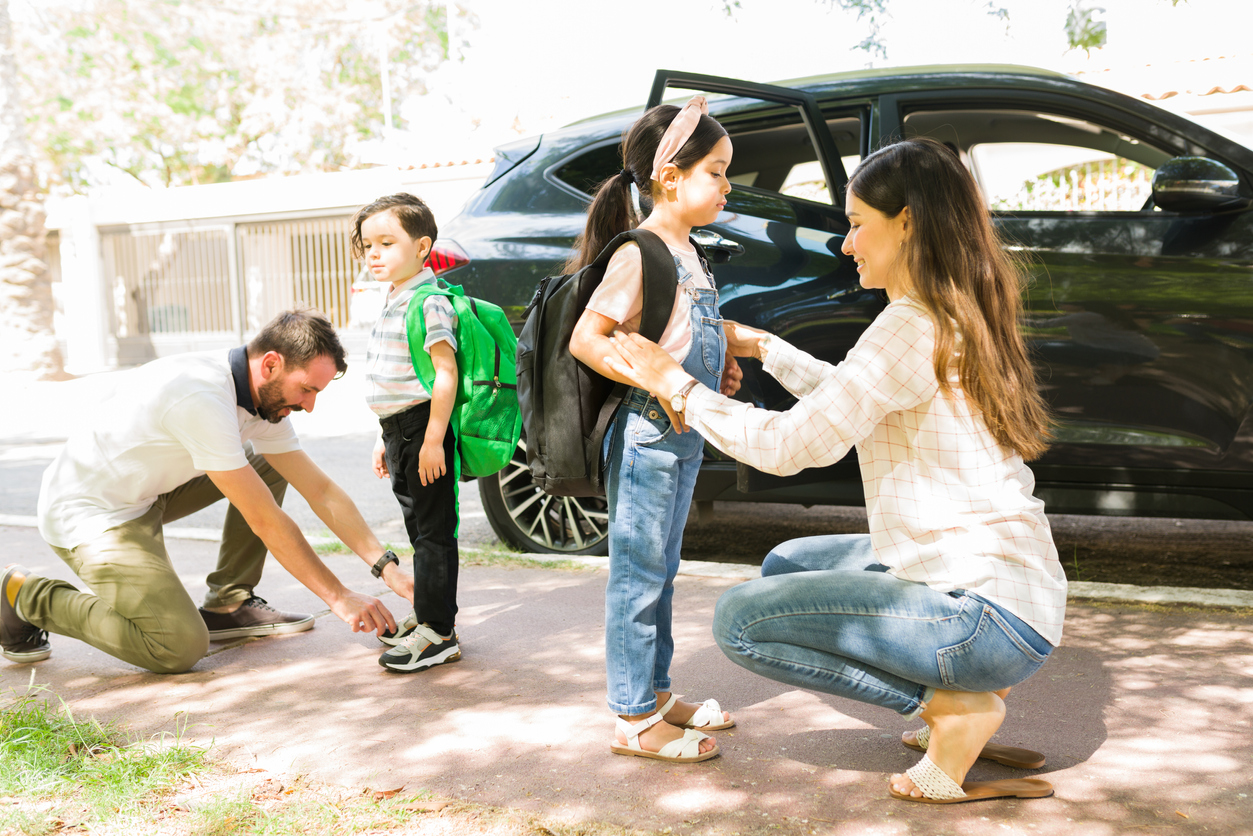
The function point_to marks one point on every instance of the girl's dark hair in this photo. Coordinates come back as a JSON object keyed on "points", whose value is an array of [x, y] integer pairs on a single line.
{"points": [[960, 273], [415, 217], [610, 212]]}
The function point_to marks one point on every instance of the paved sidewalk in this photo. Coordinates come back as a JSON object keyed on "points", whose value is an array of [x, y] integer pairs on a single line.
{"points": [[1145, 715]]}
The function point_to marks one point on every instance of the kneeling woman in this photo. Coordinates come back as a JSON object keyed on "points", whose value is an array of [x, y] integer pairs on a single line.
{"points": [[957, 593]]}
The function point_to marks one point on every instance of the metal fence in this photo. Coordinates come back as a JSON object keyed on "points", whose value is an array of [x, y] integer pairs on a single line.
{"points": [[1113, 185], [207, 286]]}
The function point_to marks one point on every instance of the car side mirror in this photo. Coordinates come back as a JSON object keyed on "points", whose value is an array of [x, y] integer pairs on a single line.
{"points": [[1197, 184], [719, 249]]}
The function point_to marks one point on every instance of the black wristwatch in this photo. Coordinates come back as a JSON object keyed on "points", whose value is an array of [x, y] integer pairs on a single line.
{"points": [[388, 557]]}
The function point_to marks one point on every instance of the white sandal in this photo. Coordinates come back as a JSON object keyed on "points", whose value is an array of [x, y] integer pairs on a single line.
{"points": [[684, 750], [708, 716], [938, 788]]}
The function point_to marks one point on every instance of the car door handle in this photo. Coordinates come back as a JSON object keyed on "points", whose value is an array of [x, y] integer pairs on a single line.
{"points": [[711, 240]]}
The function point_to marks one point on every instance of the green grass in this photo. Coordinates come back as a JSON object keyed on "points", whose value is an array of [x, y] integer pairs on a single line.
{"points": [[499, 557], [507, 559], [60, 773], [55, 768], [271, 809]]}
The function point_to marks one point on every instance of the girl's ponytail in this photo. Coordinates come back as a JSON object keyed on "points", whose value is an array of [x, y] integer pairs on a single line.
{"points": [[612, 212], [609, 215]]}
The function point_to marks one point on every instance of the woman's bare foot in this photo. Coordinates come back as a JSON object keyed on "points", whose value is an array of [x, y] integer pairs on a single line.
{"points": [[682, 712], [961, 723], [910, 738], [657, 736]]}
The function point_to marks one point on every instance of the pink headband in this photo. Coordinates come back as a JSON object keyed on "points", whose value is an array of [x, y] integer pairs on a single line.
{"points": [[679, 132]]}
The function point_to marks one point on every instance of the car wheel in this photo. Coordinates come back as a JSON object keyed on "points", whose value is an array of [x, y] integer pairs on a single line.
{"points": [[527, 518]]}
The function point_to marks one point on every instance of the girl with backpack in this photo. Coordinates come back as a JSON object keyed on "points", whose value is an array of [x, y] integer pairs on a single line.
{"points": [[956, 594], [677, 159]]}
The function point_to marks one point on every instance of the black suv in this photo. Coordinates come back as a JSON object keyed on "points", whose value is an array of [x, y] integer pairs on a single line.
{"points": [[1133, 222]]}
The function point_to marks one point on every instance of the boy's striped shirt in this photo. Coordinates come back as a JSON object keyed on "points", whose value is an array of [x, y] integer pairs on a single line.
{"points": [[393, 386]]}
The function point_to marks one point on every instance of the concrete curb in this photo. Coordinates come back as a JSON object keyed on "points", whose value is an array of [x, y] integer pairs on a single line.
{"points": [[1079, 590], [1161, 594]]}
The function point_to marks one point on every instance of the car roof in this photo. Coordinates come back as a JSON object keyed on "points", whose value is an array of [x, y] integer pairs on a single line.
{"points": [[868, 75]]}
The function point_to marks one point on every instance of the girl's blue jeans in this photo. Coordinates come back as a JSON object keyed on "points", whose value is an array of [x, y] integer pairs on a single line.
{"points": [[826, 615], [651, 475]]}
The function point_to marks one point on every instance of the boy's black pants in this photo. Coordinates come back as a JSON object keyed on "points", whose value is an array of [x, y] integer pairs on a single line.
{"points": [[430, 513]]}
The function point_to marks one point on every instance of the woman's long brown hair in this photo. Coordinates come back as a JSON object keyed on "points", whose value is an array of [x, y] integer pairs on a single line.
{"points": [[960, 273]]}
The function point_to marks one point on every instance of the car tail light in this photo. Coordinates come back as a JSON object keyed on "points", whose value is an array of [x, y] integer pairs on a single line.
{"points": [[446, 256]]}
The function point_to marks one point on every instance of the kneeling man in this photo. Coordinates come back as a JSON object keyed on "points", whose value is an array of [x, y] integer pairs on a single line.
{"points": [[178, 434]]}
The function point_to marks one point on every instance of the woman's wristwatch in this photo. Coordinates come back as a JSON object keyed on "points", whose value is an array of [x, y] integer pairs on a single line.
{"points": [[678, 401]]}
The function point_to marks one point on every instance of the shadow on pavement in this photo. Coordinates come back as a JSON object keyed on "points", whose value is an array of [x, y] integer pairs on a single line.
{"points": [[1144, 714]]}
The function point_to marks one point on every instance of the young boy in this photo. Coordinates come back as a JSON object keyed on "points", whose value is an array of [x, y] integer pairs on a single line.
{"points": [[393, 235]]}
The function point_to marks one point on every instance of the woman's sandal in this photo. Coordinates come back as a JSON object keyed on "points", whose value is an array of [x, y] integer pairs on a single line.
{"points": [[938, 788], [1005, 755], [707, 717], [686, 749]]}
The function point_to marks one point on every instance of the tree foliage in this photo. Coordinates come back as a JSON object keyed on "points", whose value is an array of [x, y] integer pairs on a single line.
{"points": [[26, 340], [1082, 27], [183, 91]]}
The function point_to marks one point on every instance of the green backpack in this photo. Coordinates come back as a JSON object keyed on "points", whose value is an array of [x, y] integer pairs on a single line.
{"points": [[485, 418]]}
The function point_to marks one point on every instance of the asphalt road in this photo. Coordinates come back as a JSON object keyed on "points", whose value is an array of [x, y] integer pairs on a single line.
{"points": [[1145, 552]]}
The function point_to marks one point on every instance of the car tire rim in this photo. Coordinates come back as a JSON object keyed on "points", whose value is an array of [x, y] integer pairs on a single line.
{"points": [[557, 523]]}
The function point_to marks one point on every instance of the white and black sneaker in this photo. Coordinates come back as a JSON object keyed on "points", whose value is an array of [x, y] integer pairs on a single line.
{"points": [[404, 628], [423, 648]]}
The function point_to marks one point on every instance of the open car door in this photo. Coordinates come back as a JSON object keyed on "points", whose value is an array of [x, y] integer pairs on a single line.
{"points": [[805, 104]]}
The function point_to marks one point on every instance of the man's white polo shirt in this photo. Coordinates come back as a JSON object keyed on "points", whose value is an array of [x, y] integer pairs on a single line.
{"points": [[168, 422]]}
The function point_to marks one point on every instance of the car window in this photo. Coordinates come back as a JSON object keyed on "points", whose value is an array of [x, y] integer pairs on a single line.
{"points": [[777, 156], [1041, 177], [1030, 161], [772, 154], [588, 170]]}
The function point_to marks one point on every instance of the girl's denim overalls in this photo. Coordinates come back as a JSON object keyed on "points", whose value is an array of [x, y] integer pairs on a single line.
{"points": [[651, 473]]}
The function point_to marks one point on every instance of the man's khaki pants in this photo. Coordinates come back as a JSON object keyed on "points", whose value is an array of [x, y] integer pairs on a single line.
{"points": [[140, 612]]}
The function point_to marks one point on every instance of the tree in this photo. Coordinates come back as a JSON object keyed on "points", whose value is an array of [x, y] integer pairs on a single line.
{"points": [[176, 92], [27, 343], [1084, 30]]}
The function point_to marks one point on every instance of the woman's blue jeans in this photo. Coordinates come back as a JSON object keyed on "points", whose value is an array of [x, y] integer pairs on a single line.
{"points": [[826, 615]]}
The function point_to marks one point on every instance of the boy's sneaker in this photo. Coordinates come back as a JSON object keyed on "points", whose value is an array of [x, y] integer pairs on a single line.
{"points": [[20, 641], [423, 649], [254, 618], [404, 628]]}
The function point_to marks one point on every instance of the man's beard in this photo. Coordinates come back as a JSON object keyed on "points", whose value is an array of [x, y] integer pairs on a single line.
{"points": [[270, 401]]}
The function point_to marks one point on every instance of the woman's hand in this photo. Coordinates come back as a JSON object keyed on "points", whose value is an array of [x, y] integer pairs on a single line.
{"points": [[644, 364], [742, 341]]}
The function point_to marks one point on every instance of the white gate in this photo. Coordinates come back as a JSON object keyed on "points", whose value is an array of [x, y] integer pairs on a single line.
{"points": [[180, 288]]}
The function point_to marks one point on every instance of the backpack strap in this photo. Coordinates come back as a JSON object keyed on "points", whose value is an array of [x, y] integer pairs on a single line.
{"points": [[415, 326], [659, 280]]}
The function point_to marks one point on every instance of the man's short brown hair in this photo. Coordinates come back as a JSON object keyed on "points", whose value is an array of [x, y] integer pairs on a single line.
{"points": [[300, 336]]}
